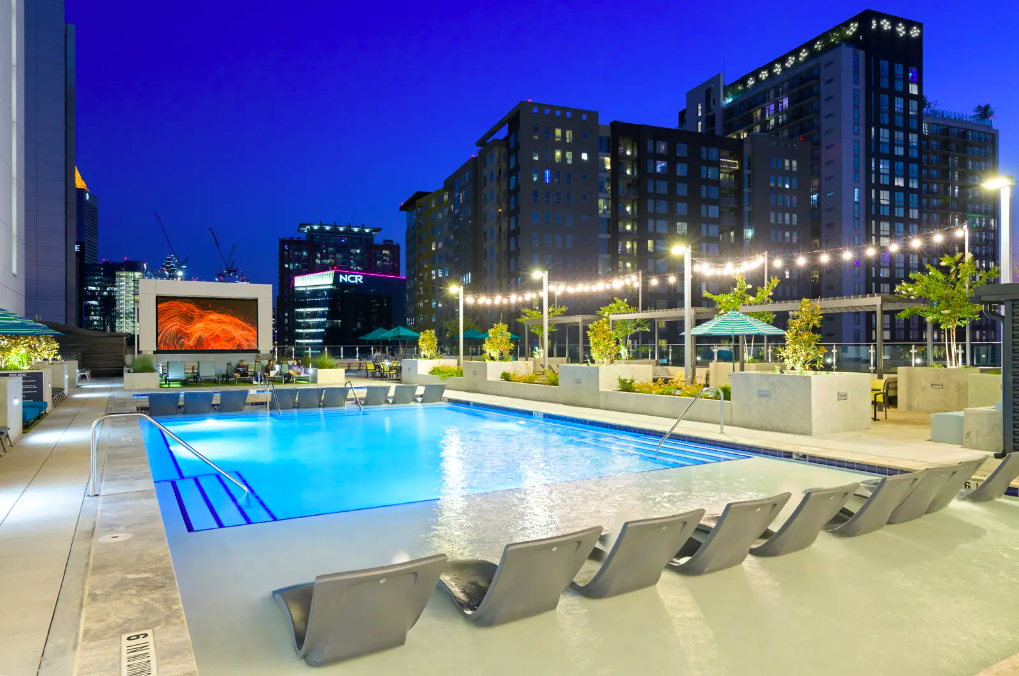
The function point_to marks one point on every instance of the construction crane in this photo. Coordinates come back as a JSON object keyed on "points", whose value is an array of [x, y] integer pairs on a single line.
{"points": [[179, 266], [229, 270]]}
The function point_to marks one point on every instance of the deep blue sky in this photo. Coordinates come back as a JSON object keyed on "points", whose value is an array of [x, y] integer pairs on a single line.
{"points": [[252, 117]]}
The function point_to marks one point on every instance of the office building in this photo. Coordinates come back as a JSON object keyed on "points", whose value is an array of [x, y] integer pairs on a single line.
{"points": [[337, 307], [110, 291], [86, 246], [51, 278], [12, 162]]}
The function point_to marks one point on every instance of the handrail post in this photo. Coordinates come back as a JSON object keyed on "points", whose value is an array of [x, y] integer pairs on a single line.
{"points": [[721, 414], [350, 386]]}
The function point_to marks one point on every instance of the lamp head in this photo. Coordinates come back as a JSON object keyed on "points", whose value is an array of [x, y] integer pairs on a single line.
{"points": [[538, 274], [998, 183]]}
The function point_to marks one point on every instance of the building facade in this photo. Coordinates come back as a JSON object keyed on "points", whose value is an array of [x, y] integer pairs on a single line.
{"points": [[337, 307], [109, 295], [12, 161], [86, 246]]}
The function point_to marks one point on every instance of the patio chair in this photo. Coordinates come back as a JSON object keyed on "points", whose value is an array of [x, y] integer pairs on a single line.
{"points": [[432, 394], [345, 615], [232, 401], [818, 507], [950, 491], [528, 581], [197, 403], [728, 542], [283, 398], [334, 397], [309, 397], [868, 514], [207, 371], [371, 370], [175, 373], [995, 485], [163, 403], [375, 395], [404, 394], [84, 373], [638, 556]]}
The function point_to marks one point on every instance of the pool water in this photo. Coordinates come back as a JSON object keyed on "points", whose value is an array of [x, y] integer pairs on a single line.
{"points": [[305, 463]]}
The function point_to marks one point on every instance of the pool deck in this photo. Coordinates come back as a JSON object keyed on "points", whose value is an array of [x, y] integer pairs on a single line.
{"points": [[70, 590]]}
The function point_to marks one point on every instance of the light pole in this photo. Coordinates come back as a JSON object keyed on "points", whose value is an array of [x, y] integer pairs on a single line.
{"points": [[964, 233], [459, 291], [688, 357], [543, 276], [1004, 185]]}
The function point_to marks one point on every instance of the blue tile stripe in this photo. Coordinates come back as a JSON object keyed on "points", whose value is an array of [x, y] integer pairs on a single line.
{"points": [[208, 503], [256, 496], [183, 509]]}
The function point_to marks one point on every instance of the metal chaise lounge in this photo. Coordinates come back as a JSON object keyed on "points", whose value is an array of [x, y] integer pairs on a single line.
{"points": [[404, 394], [197, 403], [818, 507], [175, 373], [866, 514], [433, 394], [207, 371], [283, 398], [728, 543], [637, 557], [376, 395], [528, 581], [954, 486], [163, 403], [346, 615], [232, 401], [995, 485], [334, 397], [310, 397]]}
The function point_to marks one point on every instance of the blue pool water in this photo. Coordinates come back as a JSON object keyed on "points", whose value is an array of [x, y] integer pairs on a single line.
{"points": [[324, 461]]}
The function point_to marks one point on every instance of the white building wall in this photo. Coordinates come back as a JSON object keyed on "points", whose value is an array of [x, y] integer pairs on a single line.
{"points": [[12, 156]]}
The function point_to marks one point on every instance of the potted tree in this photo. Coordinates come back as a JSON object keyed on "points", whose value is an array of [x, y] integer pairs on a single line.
{"points": [[496, 350], [732, 301], [419, 371], [583, 384], [141, 374]]}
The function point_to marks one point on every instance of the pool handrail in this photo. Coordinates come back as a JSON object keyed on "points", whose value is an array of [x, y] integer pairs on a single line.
{"points": [[270, 392], [350, 386], [721, 414], [92, 457]]}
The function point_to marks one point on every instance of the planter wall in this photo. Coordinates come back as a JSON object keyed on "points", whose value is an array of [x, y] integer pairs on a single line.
{"points": [[981, 429], [933, 390], [798, 404], [329, 376], [984, 389], [582, 385], [36, 386], [141, 381], [705, 410], [415, 371], [536, 363], [72, 375], [10, 406], [719, 371]]}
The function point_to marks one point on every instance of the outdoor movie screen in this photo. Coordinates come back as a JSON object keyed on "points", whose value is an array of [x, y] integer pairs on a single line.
{"points": [[206, 324]]}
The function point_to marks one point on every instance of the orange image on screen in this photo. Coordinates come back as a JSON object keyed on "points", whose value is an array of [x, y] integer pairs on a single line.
{"points": [[197, 325]]}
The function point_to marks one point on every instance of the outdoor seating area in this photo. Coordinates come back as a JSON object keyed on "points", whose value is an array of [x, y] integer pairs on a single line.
{"points": [[232, 401]]}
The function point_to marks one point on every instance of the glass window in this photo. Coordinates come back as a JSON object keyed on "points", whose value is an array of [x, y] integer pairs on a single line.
{"points": [[680, 150]]}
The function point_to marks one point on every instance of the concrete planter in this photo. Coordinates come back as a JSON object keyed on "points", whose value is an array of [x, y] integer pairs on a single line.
{"points": [[665, 406], [984, 389], [141, 381], [801, 404], [933, 390], [582, 384], [554, 362], [10, 406], [36, 386], [329, 376], [502, 388], [492, 370], [981, 429], [415, 371], [720, 371]]}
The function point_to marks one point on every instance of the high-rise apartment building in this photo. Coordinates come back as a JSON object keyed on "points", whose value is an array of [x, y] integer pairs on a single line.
{"points": [[12, 161], [51, 278], [86, 246], [109, 295]]}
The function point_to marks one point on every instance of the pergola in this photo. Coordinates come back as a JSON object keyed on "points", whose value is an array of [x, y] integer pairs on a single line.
{"points": [[579, 320]]}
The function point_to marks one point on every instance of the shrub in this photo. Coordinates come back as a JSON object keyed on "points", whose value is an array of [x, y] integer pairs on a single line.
{"points": [[21, 352], [803, 351], [626, 384], [428, 344], [306, 362], [604, 347], [143, 364], [673, 388], [552, 378], [506, 375], [547, 378], [497, 346], [447, 371], [323, 361]]}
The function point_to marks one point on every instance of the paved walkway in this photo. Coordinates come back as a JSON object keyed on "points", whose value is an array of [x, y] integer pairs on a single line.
{"points": [[42, 484]]}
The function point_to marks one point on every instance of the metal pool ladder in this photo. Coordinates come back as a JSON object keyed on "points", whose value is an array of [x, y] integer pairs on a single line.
{"points": [[270, 391], [721, 414], [92, 457], [350, 387]]}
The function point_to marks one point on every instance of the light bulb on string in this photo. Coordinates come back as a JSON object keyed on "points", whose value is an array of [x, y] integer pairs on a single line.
{"points": [[777, 263], [916, 242], [825, 258], [800, 260], [672, 279], [869, 251], [939, 238], [847, 255], [653, 281], [959, 232], [893, 247]]}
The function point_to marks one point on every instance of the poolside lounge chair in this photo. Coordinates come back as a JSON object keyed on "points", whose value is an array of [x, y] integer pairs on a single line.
{"points": [[873, 513], [727, 543], [995, 485], [231, 401], [818, 507], [207, 371], [950, 491], [345, 615], [334, 397], [309, 397], [197, 402], [915, 504], [432, 394], [376, 395], [283, 398], [175, 373], [404, 394], [163, 403], [638, 556], [5, 438], [528, 581]]}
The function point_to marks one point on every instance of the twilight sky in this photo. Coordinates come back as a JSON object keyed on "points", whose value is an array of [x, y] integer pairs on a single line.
{"points": [[253, 117]]}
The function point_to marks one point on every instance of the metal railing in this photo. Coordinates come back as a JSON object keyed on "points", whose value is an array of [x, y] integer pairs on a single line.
{"points": [[350, 387], [270, 392], [721, 414], [92, 493]]}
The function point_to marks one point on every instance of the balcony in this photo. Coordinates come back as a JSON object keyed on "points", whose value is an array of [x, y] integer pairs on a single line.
{"points": [[727, 183], [628, 192], [630, 151], [726, 164], [728, 202]]}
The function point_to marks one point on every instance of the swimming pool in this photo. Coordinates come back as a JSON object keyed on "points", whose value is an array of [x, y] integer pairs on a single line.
{"points": [[305, 463]]}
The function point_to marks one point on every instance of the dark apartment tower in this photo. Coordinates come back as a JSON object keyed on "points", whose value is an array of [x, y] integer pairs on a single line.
{"points": [[86, 246], [854, 94], [429, 257], [296, 257], [385, 258]]}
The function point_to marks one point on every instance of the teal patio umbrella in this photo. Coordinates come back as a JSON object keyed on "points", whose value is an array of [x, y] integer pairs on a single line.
{"points": [[375, 335], [13, 325], [736, 324], [400, 334], [474, 334]]}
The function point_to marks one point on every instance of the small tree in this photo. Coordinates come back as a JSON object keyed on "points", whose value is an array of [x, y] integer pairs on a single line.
{"points": [[927, 104], [984, 111], [622, 329], [497, 346], [428, 344], [802, 350], [738, 297], [947, 295], [535, 313], [604, 346], [451, 327]]}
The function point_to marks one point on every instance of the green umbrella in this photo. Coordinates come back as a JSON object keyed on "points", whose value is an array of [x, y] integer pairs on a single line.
{"points": [[514, 336], [13, 325], [474, 334], [374, 335], [736, 324], [398, 333]]}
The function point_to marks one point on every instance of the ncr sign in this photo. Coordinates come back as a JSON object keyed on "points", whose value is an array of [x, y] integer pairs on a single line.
{"points": [[350, 279]]}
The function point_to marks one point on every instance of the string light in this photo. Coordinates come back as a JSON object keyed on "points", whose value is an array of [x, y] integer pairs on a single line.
{"points": [[847, 255], [916, 242], [672, 279], [824, 258], [870, 251], [939, 238], [893, 247]]}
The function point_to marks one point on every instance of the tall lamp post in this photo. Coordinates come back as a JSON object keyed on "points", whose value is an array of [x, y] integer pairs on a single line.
{"points": [[688, 321], [459, 291], [1004, 185], [964, 233], [543, 276]]}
